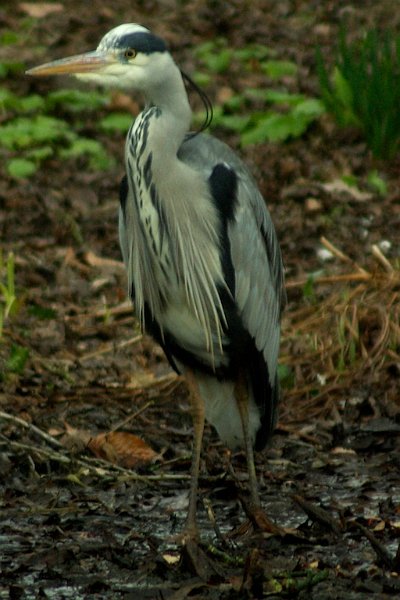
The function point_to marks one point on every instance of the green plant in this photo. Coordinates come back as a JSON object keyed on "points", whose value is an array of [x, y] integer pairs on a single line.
{"points": [[17, 359], [363, 89], [283, 115], [377, 183], [8, 298], [31, 134]]}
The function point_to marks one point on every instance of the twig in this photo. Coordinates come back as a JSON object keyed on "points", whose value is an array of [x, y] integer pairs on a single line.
{"points": [[362, 276], [96, 466], [376, 251], [212, 519], [339, 254], [18, 421], [122, 309], [318, 514], [111, 347], [379, 548], [132, 417]]}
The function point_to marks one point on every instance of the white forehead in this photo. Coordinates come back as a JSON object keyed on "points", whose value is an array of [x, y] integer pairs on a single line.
{"points": [[127, 28]]}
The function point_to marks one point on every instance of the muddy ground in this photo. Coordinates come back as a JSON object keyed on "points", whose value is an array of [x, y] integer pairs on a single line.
{"points": [[75, 525]]}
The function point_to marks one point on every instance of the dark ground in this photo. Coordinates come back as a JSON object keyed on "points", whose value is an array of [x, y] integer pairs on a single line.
{"points": [[76, 527]]}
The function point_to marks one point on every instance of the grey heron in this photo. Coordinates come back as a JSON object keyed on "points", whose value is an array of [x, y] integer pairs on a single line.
{"points": [[203, 262]]}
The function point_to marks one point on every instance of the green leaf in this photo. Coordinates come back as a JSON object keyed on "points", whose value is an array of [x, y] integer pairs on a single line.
{"points": [[76, 101], [351, 180], [236, 123], [41, 153], [99, 160], [286, 376], [234, 103], [31, 103], [219, 63], [8, 38], [17, 360], [11, 67], [344, 97], [20, 168], [202, 79], [283, 97], [252, 52], [377, 183], [309, 109], [275, 127], [309, 288], [7, 99], [117, 121], [272, 127], [42, 312], [276, 69], [22, 132]]}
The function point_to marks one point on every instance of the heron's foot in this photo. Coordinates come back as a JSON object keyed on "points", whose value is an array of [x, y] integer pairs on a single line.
{"points": [[193, 558], [189, 534], [257, 520], [261, 522]]}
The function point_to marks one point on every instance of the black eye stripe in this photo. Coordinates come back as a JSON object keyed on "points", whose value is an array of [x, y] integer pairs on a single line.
{"points": [[147, 43]]}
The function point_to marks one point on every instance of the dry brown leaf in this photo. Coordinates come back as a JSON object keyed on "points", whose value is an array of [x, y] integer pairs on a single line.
{"points": [[122, 448], [39, 10]]}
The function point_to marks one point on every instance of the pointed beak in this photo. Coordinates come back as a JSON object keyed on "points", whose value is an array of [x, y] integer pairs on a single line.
{"points": [[91, 62]]}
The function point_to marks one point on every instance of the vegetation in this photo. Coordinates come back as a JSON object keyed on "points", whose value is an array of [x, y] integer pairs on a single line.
{"points": [[32, 133], [8, 299], [258, 115], [363, 89]]}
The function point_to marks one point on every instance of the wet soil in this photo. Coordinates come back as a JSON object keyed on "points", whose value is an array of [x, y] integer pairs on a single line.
{"points": [[75, 525]]}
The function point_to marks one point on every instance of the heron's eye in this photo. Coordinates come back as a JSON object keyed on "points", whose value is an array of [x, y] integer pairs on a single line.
{"points": [[130, 53]]}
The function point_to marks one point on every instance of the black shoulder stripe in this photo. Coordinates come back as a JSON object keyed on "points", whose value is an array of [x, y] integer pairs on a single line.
{"points": [[223, 184], [223, 187], [123, 194]]}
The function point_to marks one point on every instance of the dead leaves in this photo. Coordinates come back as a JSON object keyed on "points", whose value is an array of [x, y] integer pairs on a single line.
{"points": [[117, 447], [40, 10], [122, 448]]}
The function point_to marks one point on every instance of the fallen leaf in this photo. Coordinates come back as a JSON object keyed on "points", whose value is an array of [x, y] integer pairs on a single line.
{"points": [[39, 10], [122, 448], [340, 187], [380, 526], [171, 559], [94, 260]]}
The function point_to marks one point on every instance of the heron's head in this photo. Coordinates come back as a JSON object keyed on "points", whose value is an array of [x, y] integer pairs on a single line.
{"points": [[129, 57]]}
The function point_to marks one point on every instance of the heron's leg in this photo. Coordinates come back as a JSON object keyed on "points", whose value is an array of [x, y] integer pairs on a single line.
{"points": [[198, 415], [242, 399]]}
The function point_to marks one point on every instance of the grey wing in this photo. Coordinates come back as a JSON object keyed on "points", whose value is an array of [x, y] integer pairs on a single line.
{"points": [[259, 285], [255, 251], [257, 266]]}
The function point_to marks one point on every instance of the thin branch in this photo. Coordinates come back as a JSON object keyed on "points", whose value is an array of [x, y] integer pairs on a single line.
{"points": [[111, 347], [376, 251], [49, 439], [96, 466], [316, 513]]}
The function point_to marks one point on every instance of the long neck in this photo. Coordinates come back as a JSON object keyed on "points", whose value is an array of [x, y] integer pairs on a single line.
{"points": [[170, 96]]}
